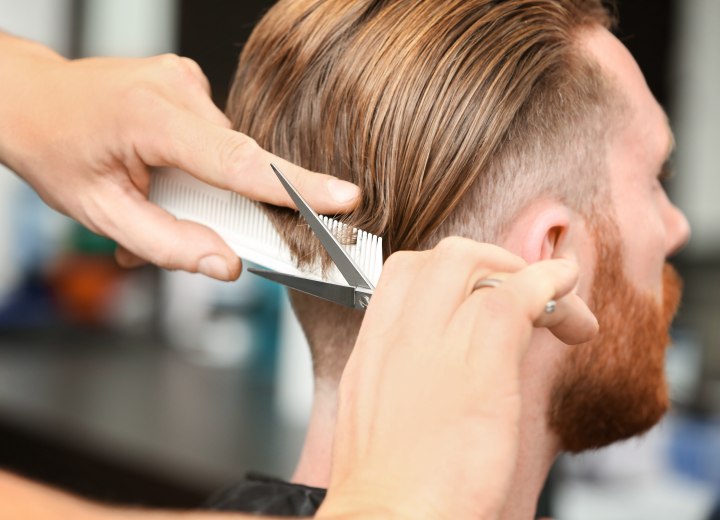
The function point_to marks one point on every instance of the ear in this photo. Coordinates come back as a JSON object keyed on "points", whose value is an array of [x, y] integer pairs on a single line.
{"points": [[542, 232]]}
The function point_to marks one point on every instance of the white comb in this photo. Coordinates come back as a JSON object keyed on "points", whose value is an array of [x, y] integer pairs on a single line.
{"points": [[248, 230]]}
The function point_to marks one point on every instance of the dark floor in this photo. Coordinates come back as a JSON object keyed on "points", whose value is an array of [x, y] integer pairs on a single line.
{"points": [[131, 421]]}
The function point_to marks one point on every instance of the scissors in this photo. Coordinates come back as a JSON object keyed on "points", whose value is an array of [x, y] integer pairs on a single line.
{"points": [[359, 290]]}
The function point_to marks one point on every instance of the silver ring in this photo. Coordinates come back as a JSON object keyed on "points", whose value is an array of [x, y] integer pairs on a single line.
{"points": [[486, 282], [550, 307]]}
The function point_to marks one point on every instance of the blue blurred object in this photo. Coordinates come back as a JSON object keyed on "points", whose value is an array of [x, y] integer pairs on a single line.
{"points": [[695, 448], [39, 231], [30, 305], [265, 318]]}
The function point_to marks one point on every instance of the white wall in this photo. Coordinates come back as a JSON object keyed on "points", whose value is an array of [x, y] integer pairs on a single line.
{"points": [[47, 21], [130, 28], [696, 121]]}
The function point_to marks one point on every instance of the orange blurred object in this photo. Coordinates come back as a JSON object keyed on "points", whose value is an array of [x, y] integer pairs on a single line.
{"points": [[84, 287]]}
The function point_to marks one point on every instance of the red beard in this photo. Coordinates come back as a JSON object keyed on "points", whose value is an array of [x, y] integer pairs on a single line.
{"points": [[614, 386]]}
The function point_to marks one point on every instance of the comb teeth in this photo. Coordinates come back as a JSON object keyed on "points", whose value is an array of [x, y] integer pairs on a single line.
{"points": [[364, 248], [250, 233]]}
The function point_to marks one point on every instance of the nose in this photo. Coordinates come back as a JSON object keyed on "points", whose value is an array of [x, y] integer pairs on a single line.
{"points": [[678, 229]]}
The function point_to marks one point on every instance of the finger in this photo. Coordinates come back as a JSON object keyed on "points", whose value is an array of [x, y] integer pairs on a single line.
{"points": [[128, 260], [149, 232], [383, 319], [497, 322], [393, 290], [325, 193], [491, 336], [447, 278], [572, 321], [233, 161], [503, 317]]}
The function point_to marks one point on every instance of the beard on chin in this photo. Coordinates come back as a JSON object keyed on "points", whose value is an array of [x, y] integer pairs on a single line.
{"points": [[614, 387]]}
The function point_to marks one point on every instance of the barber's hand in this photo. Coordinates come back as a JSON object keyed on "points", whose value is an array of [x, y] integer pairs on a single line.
{"points": [[430, 400], [84, 133]]}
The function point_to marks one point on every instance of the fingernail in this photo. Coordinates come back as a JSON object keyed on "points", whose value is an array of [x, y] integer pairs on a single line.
{"points": [[343, 191], [214, 266]]}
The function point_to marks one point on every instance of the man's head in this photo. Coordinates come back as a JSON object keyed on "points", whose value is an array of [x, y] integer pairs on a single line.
{"points": [[498, 121], [615, 386]]}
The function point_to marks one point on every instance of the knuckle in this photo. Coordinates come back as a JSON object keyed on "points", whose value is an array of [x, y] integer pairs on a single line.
{"points": [[237, 154], [189, 62], [456, 250], [191, 66], [399, 262], [176, 69], [467, 255], [453, 246], [303, 183], [169, 60]]}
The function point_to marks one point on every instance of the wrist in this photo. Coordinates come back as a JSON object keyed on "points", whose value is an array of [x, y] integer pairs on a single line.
{"points": [[15, 47], [24, 75], [350, 509], [358, 500]]}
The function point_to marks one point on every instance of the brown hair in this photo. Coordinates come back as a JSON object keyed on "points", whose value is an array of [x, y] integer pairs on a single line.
{"points": [[451, 115]]}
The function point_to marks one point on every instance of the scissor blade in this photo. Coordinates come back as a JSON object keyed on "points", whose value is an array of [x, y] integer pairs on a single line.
{"points": [[343, 261], [333, 292]]}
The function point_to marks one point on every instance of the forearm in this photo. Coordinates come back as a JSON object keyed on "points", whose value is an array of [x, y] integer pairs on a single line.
{"points": [[20, 498], [25, 68]]}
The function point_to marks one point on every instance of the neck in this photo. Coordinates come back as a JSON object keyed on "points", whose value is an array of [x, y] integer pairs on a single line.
{"points": [[538, 446], [313, 469]]}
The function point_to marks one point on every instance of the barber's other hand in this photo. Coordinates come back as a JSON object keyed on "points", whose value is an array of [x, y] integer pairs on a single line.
{"points": [[84, 133], [430, 400]]}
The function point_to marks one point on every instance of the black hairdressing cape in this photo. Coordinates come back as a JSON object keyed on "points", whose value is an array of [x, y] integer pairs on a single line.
{"points": [[268, 496]]}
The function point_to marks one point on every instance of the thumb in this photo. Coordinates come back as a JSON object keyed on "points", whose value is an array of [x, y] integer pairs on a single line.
{"points": [[233, 161], [150, 233]]}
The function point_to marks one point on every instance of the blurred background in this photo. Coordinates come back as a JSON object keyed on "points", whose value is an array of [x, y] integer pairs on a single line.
{"points": [[153, 388]]}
